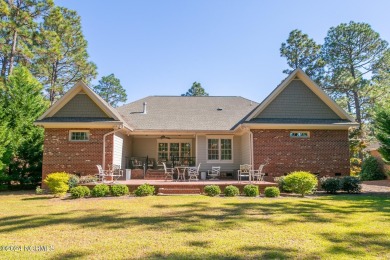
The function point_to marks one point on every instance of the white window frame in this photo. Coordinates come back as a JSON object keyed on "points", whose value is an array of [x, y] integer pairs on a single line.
{"points": [[79, 131], [169, 141], [219, 137], [296, 132]]}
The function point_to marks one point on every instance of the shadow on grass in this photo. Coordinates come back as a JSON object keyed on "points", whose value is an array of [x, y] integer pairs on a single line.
{"points": [[38, 198], [199, 216], [355, 244], [76, 254], [249, 252]]}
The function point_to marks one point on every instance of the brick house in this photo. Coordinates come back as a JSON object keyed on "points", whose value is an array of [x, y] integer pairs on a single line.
{"points": [[297, 127]]}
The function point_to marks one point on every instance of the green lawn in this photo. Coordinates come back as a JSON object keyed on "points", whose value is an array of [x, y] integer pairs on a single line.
{"points": [[196, 227]]}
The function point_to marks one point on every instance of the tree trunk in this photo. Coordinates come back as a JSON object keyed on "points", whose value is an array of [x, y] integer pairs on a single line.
{"points": [[13, 51]]}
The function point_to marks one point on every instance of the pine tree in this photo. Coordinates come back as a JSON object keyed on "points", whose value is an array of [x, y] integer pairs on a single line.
{"points": [[196, 90], [62, 59], [111, 90]]}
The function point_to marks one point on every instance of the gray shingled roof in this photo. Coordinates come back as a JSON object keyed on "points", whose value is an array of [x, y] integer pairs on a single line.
{"points": [[298, 121], [77, 119], [187, 113]]}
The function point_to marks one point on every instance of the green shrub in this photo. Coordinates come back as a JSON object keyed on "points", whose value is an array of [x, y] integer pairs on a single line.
{"points": [[3, 187], [119, 190], [272, 192], [351, 184], [87, 179], [58, 183], [330, 185], [100, 190], [371, 170], [281, 183], [80, 192], [251, 190], [212, 190], [231, 191], [73, 181], [4, 178], [38, 190], [301, 182], [144, 190]]}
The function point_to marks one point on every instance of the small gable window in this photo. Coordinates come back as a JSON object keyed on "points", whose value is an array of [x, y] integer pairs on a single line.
{"points": [[78, 135], [300, 134]]}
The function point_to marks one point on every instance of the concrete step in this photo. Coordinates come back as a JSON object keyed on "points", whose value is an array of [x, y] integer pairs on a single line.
{"points": [[178, 191]]}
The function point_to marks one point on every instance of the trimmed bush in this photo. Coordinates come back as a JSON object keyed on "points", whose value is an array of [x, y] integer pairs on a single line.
{"points": [[281, 183], [80, 192], [73, 181], [58, 183], [330, 185], [100, 190], [351, 184], [371, 170], [119, 190], [251, 190], [144, 190], [231, 191], [38, 190], [212, 190], [87, 179], [272, 192], [301, 182]]}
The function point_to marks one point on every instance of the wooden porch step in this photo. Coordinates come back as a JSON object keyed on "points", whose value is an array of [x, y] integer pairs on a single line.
{"points": [[178, 191]]}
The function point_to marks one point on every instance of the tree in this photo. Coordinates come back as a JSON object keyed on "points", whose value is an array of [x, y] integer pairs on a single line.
{"points": [[352, 52], [111, 90], [62, 58], [304, 53], [23, 103], [382, 126], [196, 90], [18, 31]]}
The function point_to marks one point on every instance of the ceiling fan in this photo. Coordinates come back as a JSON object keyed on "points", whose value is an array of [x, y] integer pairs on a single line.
{"points": [[164, 137]]}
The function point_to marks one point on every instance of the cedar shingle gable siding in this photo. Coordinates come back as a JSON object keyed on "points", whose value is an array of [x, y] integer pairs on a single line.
{"points": [[80, 106], [298, 101]]}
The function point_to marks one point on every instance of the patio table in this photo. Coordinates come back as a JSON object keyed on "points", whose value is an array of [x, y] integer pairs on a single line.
{"points": [[181, 172]]}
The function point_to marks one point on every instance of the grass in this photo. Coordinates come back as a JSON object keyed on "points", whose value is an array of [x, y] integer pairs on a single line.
{"points": [[196, 227]]}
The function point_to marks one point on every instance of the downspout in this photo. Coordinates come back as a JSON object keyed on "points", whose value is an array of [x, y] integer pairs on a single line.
{"points": [[104, 145], [251, 147]]}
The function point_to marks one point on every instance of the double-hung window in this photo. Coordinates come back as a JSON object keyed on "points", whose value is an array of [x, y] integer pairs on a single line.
{"points": [[220, 149]]}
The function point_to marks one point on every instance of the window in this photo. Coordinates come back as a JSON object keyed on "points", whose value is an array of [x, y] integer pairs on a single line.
{"points": [[299, 134], [78, 135], [220, 149], [173, 148]]}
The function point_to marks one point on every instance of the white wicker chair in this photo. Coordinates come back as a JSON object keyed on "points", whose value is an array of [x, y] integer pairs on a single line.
{"points": [[168, 172], [244, 171], [215, 172], [193, 173], [258, 174]]}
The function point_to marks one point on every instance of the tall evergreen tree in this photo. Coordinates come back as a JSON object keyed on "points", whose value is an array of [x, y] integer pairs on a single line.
{"points": [[23, 103], [111, 90], [18, 31], [382, 126], [62, 59], [352, 51], [196, 90], [304, 53]]}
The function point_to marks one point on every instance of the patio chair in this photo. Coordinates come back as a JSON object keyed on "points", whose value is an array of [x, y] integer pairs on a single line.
{"points": [[168, 172], [193, 173], [258, 174], [101, 173], [214, 172], [244, 171], [117, 172]]}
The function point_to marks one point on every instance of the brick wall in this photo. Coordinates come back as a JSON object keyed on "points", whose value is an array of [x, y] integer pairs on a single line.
{"points": [[60, 154], [326, 152]]}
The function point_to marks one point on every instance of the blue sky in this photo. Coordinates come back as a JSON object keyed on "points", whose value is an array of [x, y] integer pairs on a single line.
{"points": [[231, 47]]}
